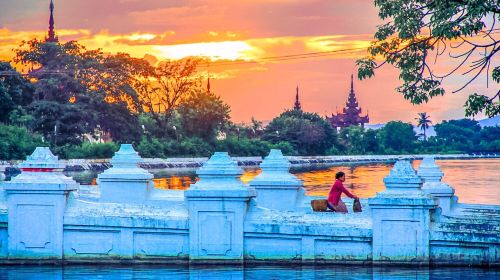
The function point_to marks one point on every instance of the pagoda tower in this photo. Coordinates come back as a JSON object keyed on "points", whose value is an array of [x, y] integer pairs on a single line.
{"points": [[351, 113], [52, 38], [297, 106]]}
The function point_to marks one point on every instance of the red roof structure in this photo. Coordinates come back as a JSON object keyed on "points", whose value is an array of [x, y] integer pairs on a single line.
{"points": [[351, 113]]}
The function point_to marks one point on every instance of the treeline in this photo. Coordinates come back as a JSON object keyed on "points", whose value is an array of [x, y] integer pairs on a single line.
{"points": [[73, 97], [293, 132]]}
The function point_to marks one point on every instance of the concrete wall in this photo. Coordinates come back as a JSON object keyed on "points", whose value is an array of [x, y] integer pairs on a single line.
{"points": [[416, 220]]}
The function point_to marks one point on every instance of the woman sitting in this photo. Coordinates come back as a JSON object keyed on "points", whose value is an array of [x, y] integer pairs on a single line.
{"points": [[334, 202]]}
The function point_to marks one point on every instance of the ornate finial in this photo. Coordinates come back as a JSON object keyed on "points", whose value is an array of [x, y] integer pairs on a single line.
{"points": [[274, 162], [220, 164], [352, 83], [52, 35], [429, 171], [297, 102], [42, 170], [275, 174], [402, 175], [220, 172], [41, 160], [126, 157], [402, 168]]}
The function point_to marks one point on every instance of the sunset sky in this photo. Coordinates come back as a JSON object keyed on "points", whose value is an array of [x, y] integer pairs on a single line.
{"points": [[246, 30]]}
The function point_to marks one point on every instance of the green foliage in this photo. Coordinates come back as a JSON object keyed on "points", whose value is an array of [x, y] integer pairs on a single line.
{"points": [[17, 142], [192, 146], [489, 138], [90, 150], [80, 91], [117, 119], [458, 135], [252, 147], [15, 91], [423, 122], [61, 123], [397, 137], [477, 103], [372, 145], [353, 139], [150, 148], [285, 147], [149, 126], [356, 140], [163, 148], [202, 114], [308, 133], [416, 33]]}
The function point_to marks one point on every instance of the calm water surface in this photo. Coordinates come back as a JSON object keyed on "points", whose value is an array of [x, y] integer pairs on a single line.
{"points": [[474, 180], [229, 272]]}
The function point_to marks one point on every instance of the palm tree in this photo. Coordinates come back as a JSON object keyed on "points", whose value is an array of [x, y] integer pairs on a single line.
{"points": [[423, 122]]}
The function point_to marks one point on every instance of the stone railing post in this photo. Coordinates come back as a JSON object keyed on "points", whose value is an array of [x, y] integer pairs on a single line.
{"points": [[125, 182], [276, 187], [36, 201], [401, 218], [2, 173], [431, 174], [217, 206]]}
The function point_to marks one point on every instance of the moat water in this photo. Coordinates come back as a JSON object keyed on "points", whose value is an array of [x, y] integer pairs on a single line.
{"points": [[239, 272], [474, 180]]}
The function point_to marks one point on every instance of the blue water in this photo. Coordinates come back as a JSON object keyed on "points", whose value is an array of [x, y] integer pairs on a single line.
{"points": [[238, 272]]}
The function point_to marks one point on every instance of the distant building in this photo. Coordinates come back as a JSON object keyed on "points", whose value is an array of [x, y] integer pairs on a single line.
{"points": [[52, 38], [351, 114], [297, 106]]}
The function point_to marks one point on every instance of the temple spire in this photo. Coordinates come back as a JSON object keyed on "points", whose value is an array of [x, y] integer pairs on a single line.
{"points": [[297, 102], [352, 83], [52, 34]]}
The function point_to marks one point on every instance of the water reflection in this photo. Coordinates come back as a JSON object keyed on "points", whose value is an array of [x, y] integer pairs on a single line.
{"points": [[174, 182], [474, 181], [178, 179], [239, 272]]}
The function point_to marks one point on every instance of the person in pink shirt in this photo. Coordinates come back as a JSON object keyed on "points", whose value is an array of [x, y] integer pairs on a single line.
{"points": [[334, 202]]}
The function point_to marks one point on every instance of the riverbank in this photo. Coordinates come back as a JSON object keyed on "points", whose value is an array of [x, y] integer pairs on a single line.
{"points": [[98, 165]]}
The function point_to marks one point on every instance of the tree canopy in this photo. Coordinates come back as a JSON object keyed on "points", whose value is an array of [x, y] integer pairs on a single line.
{"points": [[79, 91], [397, 136], [15, 92], [203, 114], [308, 133], [418, 32]]}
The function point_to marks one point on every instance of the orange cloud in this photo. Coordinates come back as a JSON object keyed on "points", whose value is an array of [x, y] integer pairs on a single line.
{"points": [[245, 72], [161, 45]]}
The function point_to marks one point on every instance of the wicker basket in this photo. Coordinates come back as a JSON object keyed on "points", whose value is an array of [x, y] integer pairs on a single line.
{"points": [[319, 205]]}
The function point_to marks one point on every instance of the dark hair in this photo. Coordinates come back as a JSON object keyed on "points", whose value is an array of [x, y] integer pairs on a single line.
{"points": [[339, 174]]}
